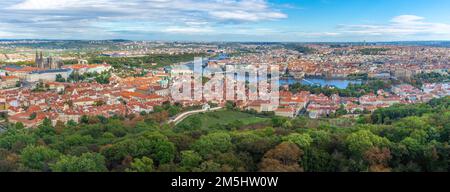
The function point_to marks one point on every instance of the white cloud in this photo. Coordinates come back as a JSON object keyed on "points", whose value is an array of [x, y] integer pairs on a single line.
{"points": [[5, 35], [188, 30], [246, 16], [240, 10], [55, 18], [318, 34], [57, 4], [238, 18], [407, 19], [403, 25]]}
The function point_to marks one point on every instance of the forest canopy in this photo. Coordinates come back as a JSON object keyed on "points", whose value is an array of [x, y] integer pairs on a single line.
{"points": [[401, 138]]}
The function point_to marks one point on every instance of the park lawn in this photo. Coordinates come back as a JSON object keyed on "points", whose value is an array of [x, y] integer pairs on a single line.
{"points": [[224, 117]]}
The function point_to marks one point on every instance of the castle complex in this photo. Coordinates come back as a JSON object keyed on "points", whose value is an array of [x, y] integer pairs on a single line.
{"points": [[48, 62]]}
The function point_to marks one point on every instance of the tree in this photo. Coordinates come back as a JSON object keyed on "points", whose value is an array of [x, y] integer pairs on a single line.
{"points": [[230, 105], [143, 126], [59, 78], [160, 117], [143, 164], [173, 110], [152, 144], [390, 114], [283, 158], [414, 147], [278, 121], [8, 161], [213, 143], [362, 140], [84, 119], [287, 125], [209, 166], [87, 162], [99, 103], [59, 127], [409, 141], [38, 157], [378, 159], [341, 111], [302, 140], [231, 162], [16, 140], [190, 160], [46, 131], [321, 139], [143, 113], [103, 78], [47, 122], [163, 151], [318, 160], [72, 123], [19, 126], [254, 144], [32, 116], [73, 141]]}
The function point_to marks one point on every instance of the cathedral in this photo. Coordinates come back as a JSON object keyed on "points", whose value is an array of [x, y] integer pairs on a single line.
{"points": [[47, 63]]}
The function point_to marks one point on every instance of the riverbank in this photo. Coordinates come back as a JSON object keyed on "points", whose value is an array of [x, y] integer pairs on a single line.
{"points": [[339, 83]]}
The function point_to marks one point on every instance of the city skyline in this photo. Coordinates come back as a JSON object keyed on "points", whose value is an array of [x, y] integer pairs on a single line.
{"points": [[227, 20]]}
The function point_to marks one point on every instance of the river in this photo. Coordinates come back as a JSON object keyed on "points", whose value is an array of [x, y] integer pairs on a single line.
{"points": [[339, 83]]}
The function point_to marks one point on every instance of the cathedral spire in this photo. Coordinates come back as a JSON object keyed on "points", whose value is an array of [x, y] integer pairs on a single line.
{"points": [[36, 59]]}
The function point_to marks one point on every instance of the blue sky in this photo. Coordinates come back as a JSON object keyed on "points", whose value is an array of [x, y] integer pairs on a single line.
{"points": [[227, 20]]}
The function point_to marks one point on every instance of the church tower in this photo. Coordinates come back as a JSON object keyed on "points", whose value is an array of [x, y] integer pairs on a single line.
{"points": [[38, 60], [48, 62], [42, 61]]}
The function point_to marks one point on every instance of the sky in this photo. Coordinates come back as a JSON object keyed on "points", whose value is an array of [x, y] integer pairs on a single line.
{"points": [[227, 20]]}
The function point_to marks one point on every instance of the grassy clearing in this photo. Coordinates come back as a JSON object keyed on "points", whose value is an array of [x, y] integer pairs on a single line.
{"points": [[222, 117]]}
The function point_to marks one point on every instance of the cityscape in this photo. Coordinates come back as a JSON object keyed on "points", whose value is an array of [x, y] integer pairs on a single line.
{"points": [[362, 98]]}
